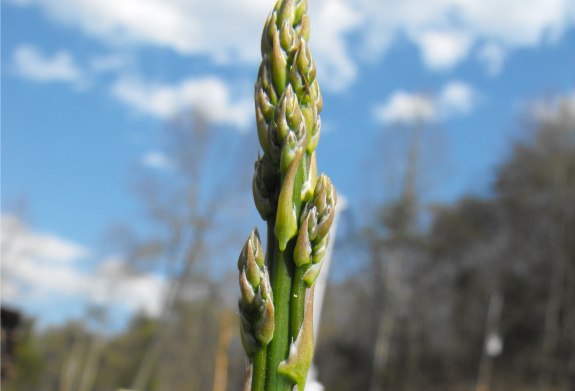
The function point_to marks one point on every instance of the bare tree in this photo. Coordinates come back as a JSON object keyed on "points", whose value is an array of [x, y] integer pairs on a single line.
{"points": [[185, 207]]}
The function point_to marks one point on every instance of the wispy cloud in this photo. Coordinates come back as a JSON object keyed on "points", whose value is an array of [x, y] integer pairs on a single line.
{"points": [[447, 30], [493, 55], [407, 108], [39, 268], [209, 95], [157, 159], [30, 63], [110, 63]]}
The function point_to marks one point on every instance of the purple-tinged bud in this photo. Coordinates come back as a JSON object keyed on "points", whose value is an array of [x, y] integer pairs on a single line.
{"points": [[263, 103], [320, 193], [253, 272], [275, 146], [262, 126], [267, 33], [247, 291], [264, 291], [313, 139], [309, 185], [265, 96], [302, 250], [305, 64], [257, 247], [300, 10], [265, 77], [243, 320], [248, 341], [316, 96], [309, 113], [312, 222], [319, 249], [286, 12], [303, 29], [302, 73], [262, 198], [265, 288], [311, 274], [280, 117], [325, 199], [265, 181], [289, 151], [265, 327], [288, 40], [293, 112], [279, 64], [286, 220]]}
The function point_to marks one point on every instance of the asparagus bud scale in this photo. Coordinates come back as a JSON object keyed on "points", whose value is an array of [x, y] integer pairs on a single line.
{"points": [[276, 322]]}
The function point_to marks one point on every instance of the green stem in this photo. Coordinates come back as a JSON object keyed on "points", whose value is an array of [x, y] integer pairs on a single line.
{"points": [[260, 357], [297, 301], [270, 244], [300, 179], [281, 278], [259, 373], [279, 345]]}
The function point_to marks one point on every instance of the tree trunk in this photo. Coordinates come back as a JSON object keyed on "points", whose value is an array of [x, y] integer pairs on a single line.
{"points": [[222, 355], [491, 331], [165, 320], [92, 364], [551, 331]]}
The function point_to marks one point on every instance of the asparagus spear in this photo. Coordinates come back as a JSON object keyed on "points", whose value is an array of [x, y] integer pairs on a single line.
{"points": [[276, 330], [256, 307]]}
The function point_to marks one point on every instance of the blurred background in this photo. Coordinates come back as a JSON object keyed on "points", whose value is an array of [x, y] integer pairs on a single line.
{"points": [[128, 142]]}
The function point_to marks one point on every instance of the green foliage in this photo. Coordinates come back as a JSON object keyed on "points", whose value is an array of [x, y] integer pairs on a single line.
{"points": [[120, 356], [29, 364]]}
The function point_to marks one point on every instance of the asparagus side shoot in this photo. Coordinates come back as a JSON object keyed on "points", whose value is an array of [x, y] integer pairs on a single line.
{"points": [[276, 322]]}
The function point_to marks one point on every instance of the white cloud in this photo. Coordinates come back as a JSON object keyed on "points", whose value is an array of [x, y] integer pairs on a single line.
{"points": [[17, 239], [218, 28], [31, 64], [403, 107], [210, 95], [224, 30], [447, 32], [333, 19], [37, 268], [409, 108], [456, 97], [113, 283], [157, 159], [442, 50]]}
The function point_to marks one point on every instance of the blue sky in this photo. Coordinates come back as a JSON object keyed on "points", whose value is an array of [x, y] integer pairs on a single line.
{"points": [[88, 86]]}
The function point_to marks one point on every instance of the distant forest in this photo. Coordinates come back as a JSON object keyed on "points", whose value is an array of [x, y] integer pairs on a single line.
{"points": [[482, 297]]}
